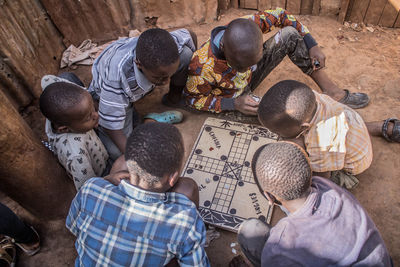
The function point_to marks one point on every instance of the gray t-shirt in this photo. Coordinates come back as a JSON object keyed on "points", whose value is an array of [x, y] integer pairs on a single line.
{"points": [[331, 229]]}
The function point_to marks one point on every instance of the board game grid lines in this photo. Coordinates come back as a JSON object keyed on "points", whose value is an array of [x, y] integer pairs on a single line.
{"points": [[220, 164]]}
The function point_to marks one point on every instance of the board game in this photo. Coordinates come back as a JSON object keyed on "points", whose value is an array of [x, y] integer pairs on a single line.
{"points": [[220, 164]]}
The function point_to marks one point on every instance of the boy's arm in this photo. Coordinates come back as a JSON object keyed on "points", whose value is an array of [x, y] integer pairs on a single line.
{"points": [[118, 137], [193, 252], [267, 20], [80, 168]]}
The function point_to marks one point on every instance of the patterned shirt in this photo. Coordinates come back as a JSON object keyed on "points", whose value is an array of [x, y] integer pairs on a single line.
{"points": [[338, 138], [82, 155], [127, 226], [118, 82], [212, 84]]}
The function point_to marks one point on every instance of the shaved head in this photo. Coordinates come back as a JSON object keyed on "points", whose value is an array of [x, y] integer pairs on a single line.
{"points": [[242, 44]]}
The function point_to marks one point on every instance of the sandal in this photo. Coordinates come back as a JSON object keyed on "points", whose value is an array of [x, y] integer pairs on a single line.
{"points": [[8, 253], [395, 136], [166, 117], [30, 251], [355, 100]]}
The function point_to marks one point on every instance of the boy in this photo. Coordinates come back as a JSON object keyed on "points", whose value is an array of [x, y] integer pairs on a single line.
{"points": [[70, 119], [150, 217], [235, 60], [130, 68], [326, 225], [334, 135]]}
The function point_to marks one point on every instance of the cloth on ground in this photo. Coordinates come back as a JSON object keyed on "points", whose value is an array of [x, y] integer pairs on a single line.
{"points": [[86, 52]]}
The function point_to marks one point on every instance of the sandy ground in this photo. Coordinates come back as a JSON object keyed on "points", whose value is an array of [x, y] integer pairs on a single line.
{"points": [[360, 61]]}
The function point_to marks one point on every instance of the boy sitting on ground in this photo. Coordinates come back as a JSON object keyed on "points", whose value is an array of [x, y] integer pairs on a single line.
{"points": [[326, 225], [130, 68], [148, 219], [71, 117], [334, 135]]}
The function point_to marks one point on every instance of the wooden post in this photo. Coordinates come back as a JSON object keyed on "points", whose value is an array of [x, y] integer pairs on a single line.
{"points": [[235, 3], [29, 173], [344, 6], [316, 7]]}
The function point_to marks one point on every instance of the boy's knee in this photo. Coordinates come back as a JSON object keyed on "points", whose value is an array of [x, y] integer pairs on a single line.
{"points": [[187, 187], [253, 229]]}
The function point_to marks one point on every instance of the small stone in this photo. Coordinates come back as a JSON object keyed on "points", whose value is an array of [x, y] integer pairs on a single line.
{"points": [[208, 180], [234, 251], [370, 29], [233, 244], [346, 24]]}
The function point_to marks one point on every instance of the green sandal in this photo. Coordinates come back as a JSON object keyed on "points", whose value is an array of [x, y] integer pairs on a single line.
{"points": [[170, 117]]}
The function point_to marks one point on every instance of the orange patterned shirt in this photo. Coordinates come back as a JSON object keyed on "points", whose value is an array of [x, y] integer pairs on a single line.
{"points": [[211, 79], [338, 138]]}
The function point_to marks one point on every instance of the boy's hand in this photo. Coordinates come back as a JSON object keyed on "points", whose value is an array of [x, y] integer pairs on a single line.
{"points": [[316, 54], [246, 104], [116, 178]]}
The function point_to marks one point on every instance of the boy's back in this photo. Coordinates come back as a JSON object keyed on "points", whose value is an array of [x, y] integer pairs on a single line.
{"points": [[331, 229], [126, 226], [338, 138]]}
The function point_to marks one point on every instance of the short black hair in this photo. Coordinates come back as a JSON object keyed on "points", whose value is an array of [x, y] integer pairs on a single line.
{"points": [[57, 99], [244, 35], [156, 47], [287, 100], [283, 169], [156, 147]]}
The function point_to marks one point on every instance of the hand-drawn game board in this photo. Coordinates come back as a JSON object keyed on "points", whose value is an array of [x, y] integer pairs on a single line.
{"points": [[220, 164]]}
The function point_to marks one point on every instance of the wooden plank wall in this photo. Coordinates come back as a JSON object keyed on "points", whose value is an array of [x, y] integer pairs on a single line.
{"points": [[374, 12]]}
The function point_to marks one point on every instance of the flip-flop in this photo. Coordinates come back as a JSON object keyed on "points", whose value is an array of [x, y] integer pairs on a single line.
{"points": [[395, 137], [29, 252], [170, 117], [8, 253], [355, 100]]}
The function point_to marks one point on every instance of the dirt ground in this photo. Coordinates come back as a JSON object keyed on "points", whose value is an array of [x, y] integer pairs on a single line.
{"points": [[357, 60]]}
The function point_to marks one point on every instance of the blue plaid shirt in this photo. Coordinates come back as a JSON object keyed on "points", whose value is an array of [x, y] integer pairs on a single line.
{"points": [[127, 226]]}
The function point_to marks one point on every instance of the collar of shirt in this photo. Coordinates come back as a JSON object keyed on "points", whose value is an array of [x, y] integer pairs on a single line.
{"points": [[142, 195], [140, 78], [216, 36], [317, 111], [312, 202]]}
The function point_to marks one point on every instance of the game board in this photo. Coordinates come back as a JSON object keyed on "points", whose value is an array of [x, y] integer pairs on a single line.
{"points": [[220, 163]]}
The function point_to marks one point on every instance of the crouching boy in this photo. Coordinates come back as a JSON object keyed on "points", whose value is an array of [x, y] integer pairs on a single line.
{"points": [[71, 118], [334, 135], [326, 225], [148, 219]]}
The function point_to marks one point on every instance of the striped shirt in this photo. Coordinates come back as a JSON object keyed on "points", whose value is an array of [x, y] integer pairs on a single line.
{"points": [[126, 226], [118, 82], [338, 138]]}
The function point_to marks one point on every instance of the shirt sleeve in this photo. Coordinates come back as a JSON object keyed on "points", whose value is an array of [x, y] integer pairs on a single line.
{"points": [[193, 252], [201, 94], [267, 20], [80, 168], [72, 218], [183, 38]]}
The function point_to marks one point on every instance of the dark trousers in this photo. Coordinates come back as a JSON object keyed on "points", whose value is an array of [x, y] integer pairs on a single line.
{"points": [[12, 226], [288, 42], [252, 235]]}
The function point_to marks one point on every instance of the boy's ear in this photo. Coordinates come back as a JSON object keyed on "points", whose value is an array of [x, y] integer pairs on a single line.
{"points": [[305, 126], [173, 178], [138, 64], [270, 200]]}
